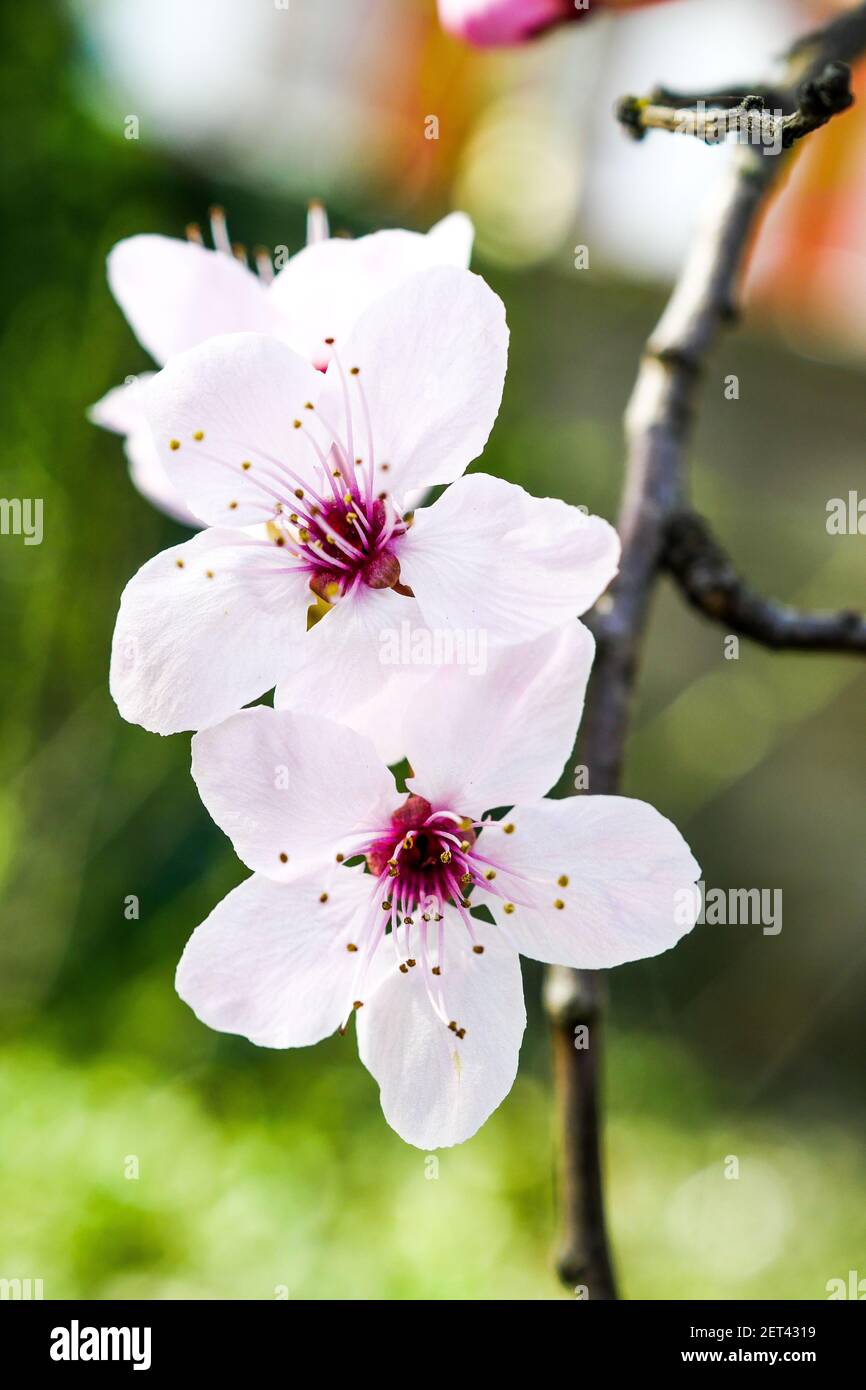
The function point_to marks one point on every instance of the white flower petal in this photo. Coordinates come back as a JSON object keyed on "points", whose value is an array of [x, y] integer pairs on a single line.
{"points": [[480, 741], [488, 555], [341, 669], [150, 477], [203, 629], [176, 294], [290, 789], [122, 410], [431, 357], [629, 888], [272, 963], [222, 416], [321, 292], [437, 1089], [451, 239]]}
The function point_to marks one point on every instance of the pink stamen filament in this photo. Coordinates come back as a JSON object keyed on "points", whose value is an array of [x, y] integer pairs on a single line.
{"points": [[347, 406], [368, 425]]}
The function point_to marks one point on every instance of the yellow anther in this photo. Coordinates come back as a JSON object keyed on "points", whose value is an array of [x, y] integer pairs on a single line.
{"points": [[351, 946], [490, 875], [479, 950], [445, 856], [508, 907], [174, 443], [558, 903], [563, 880], [323, 897], [198, 435], [509, 828]]}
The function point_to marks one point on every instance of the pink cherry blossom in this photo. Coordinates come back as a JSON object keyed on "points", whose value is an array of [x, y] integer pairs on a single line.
{"points": [[176, 294], [304, 476], [363, 899], [491, 23]]}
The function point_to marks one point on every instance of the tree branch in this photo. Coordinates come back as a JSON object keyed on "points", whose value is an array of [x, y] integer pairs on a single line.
{"points": [[709, 581], [818, 99], [573, 1000], [658, 424]]}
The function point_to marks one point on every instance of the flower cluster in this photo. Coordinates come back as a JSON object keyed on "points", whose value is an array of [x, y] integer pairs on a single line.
{"points": [[300, 422]]}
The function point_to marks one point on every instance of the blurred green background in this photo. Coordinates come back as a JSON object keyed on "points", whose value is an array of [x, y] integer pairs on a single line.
{"points": [[273, 1174]]}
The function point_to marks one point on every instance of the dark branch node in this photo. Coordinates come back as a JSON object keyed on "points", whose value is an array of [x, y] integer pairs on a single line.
{"points": [[818, 99]]}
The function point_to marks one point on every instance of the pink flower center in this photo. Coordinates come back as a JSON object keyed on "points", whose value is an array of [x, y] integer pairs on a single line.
{"points": [[424, 862], [424, 859], [348, 541], [344, 535]]}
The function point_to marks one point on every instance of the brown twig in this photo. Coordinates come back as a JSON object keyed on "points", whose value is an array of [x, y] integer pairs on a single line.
{"points": [[658, 426], [752, 120], [707, 578]]}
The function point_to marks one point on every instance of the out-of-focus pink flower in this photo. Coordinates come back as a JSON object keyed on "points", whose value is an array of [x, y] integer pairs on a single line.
{"points": [[491, 23]]}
